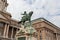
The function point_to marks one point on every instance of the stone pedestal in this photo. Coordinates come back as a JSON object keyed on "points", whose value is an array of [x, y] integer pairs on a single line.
{"points": [[26, 33], [25, 37]]}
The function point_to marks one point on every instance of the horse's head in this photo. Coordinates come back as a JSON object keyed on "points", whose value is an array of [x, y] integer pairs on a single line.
{"points": [[30, 13]]}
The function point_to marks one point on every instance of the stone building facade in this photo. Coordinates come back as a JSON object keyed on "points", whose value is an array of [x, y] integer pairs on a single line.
{"points": [[45, 30], [8, 26]]}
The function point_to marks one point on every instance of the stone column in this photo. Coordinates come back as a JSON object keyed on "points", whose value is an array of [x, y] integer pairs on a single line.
{"points": [[26, 38], [16, 31], [38, 38], [12, 32], [43, 34], [56, 36], [5, 30]]}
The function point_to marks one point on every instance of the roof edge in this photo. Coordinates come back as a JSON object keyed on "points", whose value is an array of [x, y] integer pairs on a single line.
{"points": [[43, 19]]}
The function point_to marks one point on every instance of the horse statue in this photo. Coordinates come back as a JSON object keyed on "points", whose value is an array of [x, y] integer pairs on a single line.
{"points": [[26, 17]]}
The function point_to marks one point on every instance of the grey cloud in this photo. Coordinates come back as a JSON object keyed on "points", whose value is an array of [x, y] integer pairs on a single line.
{"points": [[42, 8], [30, 2]]}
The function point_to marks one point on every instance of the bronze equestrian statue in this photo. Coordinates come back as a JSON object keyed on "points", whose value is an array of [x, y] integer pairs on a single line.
{"points": [[26, 17]]}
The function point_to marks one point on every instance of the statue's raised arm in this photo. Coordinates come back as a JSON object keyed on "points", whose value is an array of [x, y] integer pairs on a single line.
{"points": [[24, 13]]}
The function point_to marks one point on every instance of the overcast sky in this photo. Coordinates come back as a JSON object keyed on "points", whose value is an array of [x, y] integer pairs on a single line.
{"points": [[49, 9]]}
